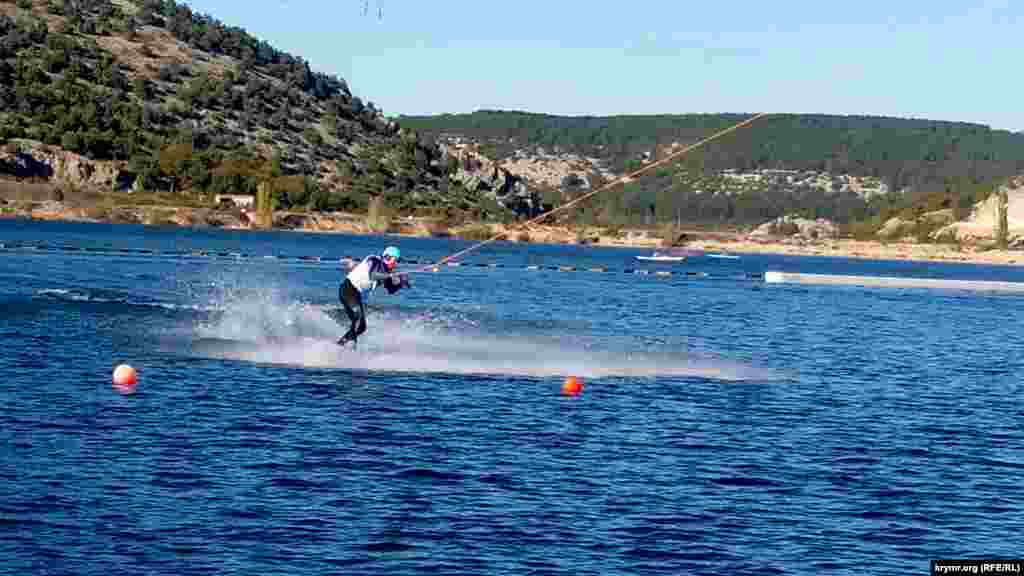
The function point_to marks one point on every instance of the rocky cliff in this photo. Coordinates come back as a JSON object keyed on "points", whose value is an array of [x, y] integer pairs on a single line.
{"points": [[982, 224], [29, 160]]}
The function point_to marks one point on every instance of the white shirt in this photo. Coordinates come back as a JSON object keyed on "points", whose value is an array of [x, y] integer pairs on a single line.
{"points": [[367, 274]]}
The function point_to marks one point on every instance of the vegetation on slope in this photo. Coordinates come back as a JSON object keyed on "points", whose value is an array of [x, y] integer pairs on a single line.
{"points": [[190, 104], [925, 164]]}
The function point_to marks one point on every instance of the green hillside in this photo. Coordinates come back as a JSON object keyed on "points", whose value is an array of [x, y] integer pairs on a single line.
{"points": [[911, 153], [929, 164], [183, 103], [180, 104]]}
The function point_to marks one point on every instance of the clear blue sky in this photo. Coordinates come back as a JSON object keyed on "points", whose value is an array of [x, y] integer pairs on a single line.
{"points": [[938, 59]]}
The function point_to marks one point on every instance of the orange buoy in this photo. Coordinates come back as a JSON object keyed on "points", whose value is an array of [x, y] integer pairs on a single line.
{"points": [[572, 386], [125, 377]]}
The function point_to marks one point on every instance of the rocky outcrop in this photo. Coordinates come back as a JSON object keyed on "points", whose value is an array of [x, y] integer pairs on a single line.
{"points": [[942, 217], [802, 228], [32, 160], [927, 224], [551, 170], [480, 175], [981, 225], [896, 227]]}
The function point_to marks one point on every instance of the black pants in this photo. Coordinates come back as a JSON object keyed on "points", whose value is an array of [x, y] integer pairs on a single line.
{"points": [[352, 300]]}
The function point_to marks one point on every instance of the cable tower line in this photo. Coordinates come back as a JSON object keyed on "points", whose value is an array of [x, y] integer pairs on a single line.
{"points": [[608, 186]]}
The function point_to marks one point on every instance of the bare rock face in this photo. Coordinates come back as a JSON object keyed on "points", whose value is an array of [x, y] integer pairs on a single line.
{"points": [[981, 225], [938, 217], [895, 227], [480, 175], [803, 228], [40, 161]]}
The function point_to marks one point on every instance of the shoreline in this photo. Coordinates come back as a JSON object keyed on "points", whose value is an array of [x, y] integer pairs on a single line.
{"points": [[413, 227], [874, 250]]}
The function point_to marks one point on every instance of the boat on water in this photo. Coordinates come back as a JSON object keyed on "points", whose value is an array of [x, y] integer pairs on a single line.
{"points": [[676, 255], [661, 258]]}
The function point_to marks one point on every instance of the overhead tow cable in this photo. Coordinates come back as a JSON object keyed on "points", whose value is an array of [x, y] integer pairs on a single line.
{"points": [[620, 180]]}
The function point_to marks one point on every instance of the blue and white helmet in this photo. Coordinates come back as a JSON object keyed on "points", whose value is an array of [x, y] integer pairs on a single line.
{"points": [[392, 252]]}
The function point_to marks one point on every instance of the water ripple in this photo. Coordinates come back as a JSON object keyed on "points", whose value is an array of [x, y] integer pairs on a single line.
{"points": [[724, 428]]}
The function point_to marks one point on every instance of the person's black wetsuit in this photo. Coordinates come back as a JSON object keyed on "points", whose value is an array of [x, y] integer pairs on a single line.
{"points": [[366, 275]]}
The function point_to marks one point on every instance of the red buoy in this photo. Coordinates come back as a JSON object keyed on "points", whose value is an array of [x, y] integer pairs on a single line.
{"points": [[125, 378], [572, 386]]}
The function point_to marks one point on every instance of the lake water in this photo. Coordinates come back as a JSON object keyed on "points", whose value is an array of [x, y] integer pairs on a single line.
{"points": [[726, 426]]}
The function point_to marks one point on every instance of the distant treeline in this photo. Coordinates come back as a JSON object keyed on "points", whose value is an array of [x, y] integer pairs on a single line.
{"points": [[906, 153], [682, 196], [933, 163]]}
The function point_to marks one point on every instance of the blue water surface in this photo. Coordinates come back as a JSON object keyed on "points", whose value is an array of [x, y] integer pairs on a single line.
{"points": [[726, 426]]}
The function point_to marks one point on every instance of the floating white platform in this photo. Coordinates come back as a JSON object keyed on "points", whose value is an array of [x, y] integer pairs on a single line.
{"points": [[891, 282]]}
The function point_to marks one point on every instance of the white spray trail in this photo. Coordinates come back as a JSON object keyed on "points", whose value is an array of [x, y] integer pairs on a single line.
{"points": [[263, 326]]}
